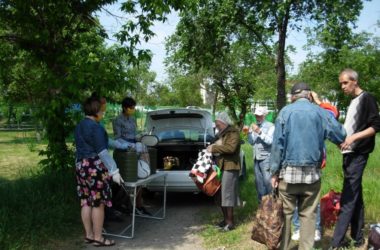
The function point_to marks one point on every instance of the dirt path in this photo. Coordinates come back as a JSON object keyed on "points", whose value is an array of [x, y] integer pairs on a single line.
{"points": [[180, 229], [177, 231]]}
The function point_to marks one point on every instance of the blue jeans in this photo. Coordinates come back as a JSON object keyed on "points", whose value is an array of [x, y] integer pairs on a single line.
{"points": [[296, 219], [262, 178]]}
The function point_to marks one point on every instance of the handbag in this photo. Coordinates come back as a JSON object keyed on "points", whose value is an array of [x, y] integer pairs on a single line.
{"points": [[374, 237], [269, 221], [330, 206], [211, 184]]}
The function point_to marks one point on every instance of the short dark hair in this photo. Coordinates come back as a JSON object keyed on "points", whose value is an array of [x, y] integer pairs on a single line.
{"points": [[128, 102], [91, 105]]}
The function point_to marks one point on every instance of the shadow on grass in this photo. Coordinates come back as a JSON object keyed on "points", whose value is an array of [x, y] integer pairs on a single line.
{"points": [[39, 208]]}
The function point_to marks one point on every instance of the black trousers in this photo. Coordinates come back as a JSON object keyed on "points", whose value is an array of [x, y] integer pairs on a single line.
{"points": [[351, 201]]}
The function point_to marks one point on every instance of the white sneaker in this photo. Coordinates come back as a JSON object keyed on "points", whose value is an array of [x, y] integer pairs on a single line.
{"points": [[317, 235], [296, 235]]}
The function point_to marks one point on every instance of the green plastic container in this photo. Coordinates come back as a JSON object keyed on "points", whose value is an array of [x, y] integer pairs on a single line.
{"points": [[126, 161], [153, 160]]}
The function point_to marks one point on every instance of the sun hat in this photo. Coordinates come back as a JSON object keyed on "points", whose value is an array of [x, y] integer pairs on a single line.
{"points": [[298, 87], [261, 111]]}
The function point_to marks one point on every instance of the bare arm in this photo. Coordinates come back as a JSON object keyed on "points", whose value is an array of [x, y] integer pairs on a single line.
{"points": [[357, 136]]}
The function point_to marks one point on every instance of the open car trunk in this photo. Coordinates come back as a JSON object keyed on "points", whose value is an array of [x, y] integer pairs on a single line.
{"points": [[181, 134], [186, 154], [177, 178]]}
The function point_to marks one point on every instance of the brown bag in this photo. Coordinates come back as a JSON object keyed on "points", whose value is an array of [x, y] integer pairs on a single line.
{"points": [[211, 184], [269, 220]]}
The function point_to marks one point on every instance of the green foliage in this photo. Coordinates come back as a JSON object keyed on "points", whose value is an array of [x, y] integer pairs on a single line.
{"points": [[237, 48], [209, 42], [361, 54], [53, 55]]}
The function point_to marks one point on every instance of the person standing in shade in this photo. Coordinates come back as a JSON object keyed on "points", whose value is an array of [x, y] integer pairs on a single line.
{"points": [[296, 157], [362, 123], [94, 168], [226, 149], [260, 136]]}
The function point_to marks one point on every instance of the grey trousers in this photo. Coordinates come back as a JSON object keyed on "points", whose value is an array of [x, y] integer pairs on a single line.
{"points": [[307, 197]]}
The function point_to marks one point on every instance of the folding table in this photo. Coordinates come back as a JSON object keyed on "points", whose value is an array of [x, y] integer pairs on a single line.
{"points": [[134, 186]]}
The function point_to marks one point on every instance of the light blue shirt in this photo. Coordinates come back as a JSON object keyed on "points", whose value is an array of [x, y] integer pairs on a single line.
{"points": [[262, 142]]}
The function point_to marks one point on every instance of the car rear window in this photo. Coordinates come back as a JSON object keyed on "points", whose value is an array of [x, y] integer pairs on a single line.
{"points": [[173, 115]]}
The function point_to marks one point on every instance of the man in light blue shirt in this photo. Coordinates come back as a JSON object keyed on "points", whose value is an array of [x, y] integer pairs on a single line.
{"points": [[260, 136]]}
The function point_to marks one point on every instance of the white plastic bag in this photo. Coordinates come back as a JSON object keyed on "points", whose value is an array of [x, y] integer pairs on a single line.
{"points": [[143, 169]]}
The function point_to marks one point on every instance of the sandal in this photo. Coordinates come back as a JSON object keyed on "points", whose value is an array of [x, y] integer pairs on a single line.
{"points": [[88, 240], [103, 243]]}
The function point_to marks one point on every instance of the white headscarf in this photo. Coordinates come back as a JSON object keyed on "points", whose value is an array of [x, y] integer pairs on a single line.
{"points": [[223, 117]]}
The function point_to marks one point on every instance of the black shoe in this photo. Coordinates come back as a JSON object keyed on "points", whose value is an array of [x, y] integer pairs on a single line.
{"points": [[220, 224], [359, 243], [346, 244], [228, 228], [142, 211]]}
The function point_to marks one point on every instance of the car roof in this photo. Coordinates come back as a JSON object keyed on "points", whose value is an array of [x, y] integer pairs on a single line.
{"points": [[177, 118]]}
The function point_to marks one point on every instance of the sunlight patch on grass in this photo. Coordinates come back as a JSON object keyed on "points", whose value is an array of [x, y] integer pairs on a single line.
{"points": [[18, 154]]}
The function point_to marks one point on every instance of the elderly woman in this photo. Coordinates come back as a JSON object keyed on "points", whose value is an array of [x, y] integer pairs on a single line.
{"points": [[227, 149], [94, 168]]}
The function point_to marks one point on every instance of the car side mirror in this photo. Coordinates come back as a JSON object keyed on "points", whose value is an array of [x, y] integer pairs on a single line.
{"points": [[149, 140]]}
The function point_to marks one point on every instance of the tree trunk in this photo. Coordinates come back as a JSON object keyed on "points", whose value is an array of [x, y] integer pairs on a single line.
{"points": [[280, 62], [57, 154]]}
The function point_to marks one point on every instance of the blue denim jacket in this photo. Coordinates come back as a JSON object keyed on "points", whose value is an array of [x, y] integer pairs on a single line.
{"points": [[90, 139], [300, 131]]}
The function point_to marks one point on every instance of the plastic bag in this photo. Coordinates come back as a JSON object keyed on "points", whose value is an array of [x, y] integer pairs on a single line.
{"points": [[143, 169], [269, 220], [330, 206]]}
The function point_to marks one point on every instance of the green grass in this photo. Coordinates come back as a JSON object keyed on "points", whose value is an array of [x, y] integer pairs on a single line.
{"points": [[332, 179], [18, 153], [39, 209]]}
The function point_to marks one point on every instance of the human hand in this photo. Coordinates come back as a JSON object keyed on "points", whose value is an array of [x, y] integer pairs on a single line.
{"points": [[138, 137], [255, 128], [117, 178], [346, 145], [209, 148], [245, 129], [315, 98], [274, 181]]}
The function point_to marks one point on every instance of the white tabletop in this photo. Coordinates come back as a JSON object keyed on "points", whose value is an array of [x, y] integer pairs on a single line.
{"points": [[140, 182]]}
